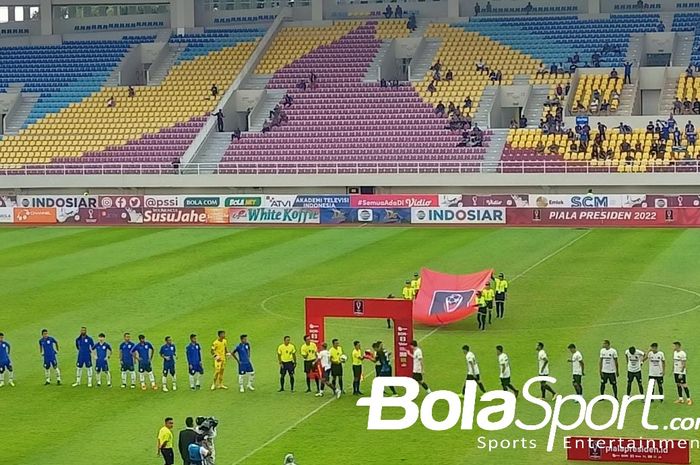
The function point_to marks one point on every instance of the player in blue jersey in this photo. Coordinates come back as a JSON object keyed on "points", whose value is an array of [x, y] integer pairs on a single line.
{"points": [[126, 360], [143, 353], [5, 362], [103, 352], [245, 367], [48, 348], [167, 353], [84, 344], [194, 362]]}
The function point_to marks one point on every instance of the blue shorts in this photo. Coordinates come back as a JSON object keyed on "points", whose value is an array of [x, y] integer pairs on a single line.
{"points": [[244, 368], [101, 365], [145, 367], [5, 366], [128, 366], [197, 368], [85, 362], [169, 369], [50, 363]]}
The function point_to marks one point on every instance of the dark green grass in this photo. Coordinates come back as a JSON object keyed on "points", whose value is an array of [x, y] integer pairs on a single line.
{"points": [[629, 286]]}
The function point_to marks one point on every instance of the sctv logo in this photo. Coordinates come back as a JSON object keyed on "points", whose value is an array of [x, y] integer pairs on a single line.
{"points": [[496, 404]]}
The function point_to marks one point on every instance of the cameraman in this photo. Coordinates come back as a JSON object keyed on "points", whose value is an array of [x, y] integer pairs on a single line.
{"points": [[206, 428], [198, 454]]}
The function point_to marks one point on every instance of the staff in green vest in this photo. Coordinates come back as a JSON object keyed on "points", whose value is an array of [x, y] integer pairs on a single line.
{"points": [[488, 294], [481, 316], [501, 286]]}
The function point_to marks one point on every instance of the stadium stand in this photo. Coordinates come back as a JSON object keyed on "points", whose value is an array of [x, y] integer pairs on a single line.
{"points": [[340, 123], [154, 126], [590, 83]]}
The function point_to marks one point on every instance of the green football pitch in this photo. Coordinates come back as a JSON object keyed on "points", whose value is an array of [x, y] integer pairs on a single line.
{"points": [[633, 287]]}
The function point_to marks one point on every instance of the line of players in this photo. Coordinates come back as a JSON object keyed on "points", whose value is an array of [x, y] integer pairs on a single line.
{"points": [[133, 357], [608, 369]]}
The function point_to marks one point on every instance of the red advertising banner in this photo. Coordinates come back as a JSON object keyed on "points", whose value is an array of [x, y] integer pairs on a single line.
{"points": [[34, 215], [182, 216], [496, 200], [394, 201], [671, 201], [590, 217], [636, 450]]}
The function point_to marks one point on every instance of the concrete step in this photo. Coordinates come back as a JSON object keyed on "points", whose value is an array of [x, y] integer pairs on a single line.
{"points": [[495, 149], [209, 154], [534, 106], [372, 74], [255, 81], [482, 117], [158, 73], [17, 118], [682, 48], [262, 110], [421, 64]]}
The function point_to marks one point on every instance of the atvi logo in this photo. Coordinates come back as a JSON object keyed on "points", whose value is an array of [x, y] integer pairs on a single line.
{"points": [[496, 410]]}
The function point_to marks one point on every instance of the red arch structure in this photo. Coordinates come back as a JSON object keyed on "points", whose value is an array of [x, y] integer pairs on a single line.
{"points": [[399, 310]]}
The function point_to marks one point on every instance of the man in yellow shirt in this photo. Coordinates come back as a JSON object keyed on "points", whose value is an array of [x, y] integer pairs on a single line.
{"points": [[481, 306], [337, 360], [357, 357], [287, 358], [501, 290], [165, 442], [488, 294], [309, 353], [407, 291], [415, 284], [219, 350]]}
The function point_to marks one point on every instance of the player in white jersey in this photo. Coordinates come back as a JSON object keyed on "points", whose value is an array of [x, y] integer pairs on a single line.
{"points": [[504, 370], [657, 367], [680, 359], [635, 358], [418, 366], [543, 370], [472, 369], [608, 368], [576, 362]]}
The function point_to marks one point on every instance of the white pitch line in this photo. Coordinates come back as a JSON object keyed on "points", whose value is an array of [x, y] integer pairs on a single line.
{"points": [[320, 407]]}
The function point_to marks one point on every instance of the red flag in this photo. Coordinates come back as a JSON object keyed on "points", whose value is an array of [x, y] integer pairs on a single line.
{"points": [[446, 298]]}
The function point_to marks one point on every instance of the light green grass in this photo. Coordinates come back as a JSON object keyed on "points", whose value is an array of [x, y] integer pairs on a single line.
{"points": [[593, 285]]}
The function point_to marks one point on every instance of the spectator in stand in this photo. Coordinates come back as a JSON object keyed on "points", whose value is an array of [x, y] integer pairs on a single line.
{"points": [[220, 120], [595, 151], [214, 91], [654, 149], [440, 109], [650, 127], [601, 130], [451, 109], [572, 69], [488, 6], [287, 101], [624, 128], [275, 111], [567, 88], [236, 135], [541, 71], [528, 8], [553, 69], [132, 92], [605, 107], [412, 24], [596, 94], [266, 127], [640, 4], [579, 108], [660, 27], [573, 148], [539, 148], [677, 106], [522, 123], [301, 85], [481, 66], [687, 106], [628, 73], [448, 75], [477, 9], [499, 76], [677, 136], [594, 106], [437, 66], [436, 75], [638, 148], [513, 124], [313, 79], [692, 138], [388, 12], [398, 12], [696, 106], [559, 90], [689, 71], [553, 148], [383, 83], [613, 74], [431, 88], [689, 127], [468, 103], [625, 147], [176, 165], [111, 103], [595, 59], [629, 158]]}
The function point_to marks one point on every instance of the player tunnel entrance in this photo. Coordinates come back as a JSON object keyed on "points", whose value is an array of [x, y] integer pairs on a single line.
{"points": [[399, 310]]}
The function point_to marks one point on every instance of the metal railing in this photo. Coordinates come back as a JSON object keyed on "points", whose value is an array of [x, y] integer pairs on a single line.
{"points": [[339, 168]]}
